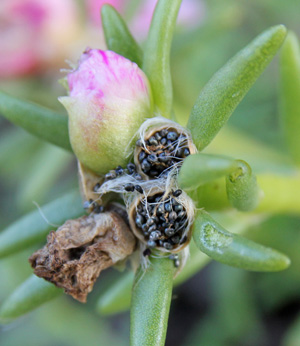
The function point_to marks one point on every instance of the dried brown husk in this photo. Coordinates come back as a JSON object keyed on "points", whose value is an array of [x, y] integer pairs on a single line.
{"points": [[87, 182], [80, 249]]}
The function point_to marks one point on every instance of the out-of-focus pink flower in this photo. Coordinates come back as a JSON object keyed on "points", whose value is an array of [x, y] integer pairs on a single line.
{"points": [[94, 7], [109, 98], [35, 33]]}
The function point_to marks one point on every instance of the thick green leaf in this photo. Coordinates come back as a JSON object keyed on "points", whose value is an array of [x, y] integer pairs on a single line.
{"points": [[156, 62], [242, 188], [118, 37], [234, 250], [33, 227], [201, 168], [28, 296], [37, 120], [150, 303], [229, 85], [290, 94]]}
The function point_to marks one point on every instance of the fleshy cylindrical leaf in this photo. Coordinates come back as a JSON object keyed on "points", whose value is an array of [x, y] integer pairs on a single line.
{"points": [[228, 248], [150, 303], [28, 296], [290, 94], [221, 95]]}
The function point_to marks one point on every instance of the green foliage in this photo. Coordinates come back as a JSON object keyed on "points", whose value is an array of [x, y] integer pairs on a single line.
{"points": [[234, 250], [221, 95], [118, 37], [150, 303], [290, 94], [156, 62], [37, 120]]}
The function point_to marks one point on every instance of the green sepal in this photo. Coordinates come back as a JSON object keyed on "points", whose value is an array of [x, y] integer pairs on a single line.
{"points": [[28, 296], [33, 227], [156, 62], [225, 90], [290, 94], [150, 303], [234, 250], [37, 120], [242, 188], [118, 37]]}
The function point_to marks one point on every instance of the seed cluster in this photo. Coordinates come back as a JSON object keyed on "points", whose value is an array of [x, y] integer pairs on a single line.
{"points": [[164, 149], [162, 220]]}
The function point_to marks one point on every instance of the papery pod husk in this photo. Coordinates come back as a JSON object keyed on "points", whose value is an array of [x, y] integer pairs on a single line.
{"points": [[163, 188], [149, 128]]}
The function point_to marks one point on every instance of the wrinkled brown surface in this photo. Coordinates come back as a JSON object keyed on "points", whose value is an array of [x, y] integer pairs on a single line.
{"points": [[87, 181], [80, 249]]}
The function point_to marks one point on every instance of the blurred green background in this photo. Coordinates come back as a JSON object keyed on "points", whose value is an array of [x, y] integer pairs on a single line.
{"points": [[220, 305]]}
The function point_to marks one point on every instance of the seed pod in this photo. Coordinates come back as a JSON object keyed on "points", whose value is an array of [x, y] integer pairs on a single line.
{"points": [[162, 145], [159, 230]]}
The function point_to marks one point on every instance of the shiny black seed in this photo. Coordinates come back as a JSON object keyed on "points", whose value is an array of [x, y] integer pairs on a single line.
{"points": [[172, 136], [181, 214], [168, 207], [142, 155], [163, 132], [147, 252], [163, 141], [153, 141], [152, 228], [154, 235], [139, 189], [163, 219], [158, 136], [162, 157], [160, 242], [177, 193], [139, 143], [150, 221], [186, 152], [129, 187], [119, 170], [175, 239], [146, 166], [139, 220], [173, 216], [168, 246], [178, 208], [137, 176], [99, 209], [153, 173], [177, 263], [152, 158], [161, 209], [174, 202], [111, 175], [131, 168], [97, 187], [170, 145], [169, 232], [151, 243], [145, 228]]}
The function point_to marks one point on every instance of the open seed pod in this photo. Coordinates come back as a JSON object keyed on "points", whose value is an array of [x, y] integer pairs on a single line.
{"points": [[162, 145], [161, 218]]}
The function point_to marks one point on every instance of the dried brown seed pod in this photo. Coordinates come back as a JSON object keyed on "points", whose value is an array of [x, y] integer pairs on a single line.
{"points": [[80, 249], [161, 220], [162, 145]]}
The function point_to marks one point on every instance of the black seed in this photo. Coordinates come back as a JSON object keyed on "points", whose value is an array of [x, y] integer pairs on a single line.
{"points": [[154, 235], [163, 132], [157, 136], [177, 193], [96, 187], [111, 175], [168, 246], [165, 224], [175, 239], [152, 228], [142, 155], [139, 189], [160, 209], [131, 168], [163, 219], [173, 216], [137, 176], [152, 158], [139, 143], [139, 220], [163, 141], [153, 173], [172, 136], [177, 263], [146, 166], [169, 232], [162, 157], [176, 225], [145, 228], [168, 207], [181, 214], [151, 243], [147, 252], [153, 141], [160, 242], [186, 152], [150, 221], [119, 170], [174, 202], [170, 145], [129, 187], [99, 209], [178, 208]]}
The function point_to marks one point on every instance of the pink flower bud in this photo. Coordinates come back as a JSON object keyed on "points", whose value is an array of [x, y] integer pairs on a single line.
{"points": [[109, 99]]}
